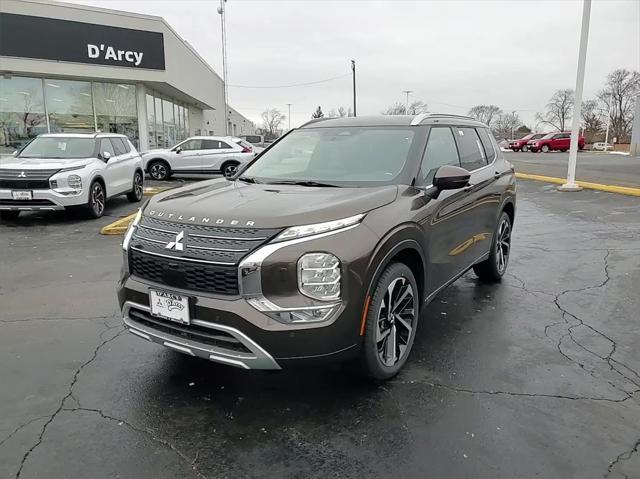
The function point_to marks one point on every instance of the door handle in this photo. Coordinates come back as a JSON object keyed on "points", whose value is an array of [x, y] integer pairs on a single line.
{"points": [[468, 188], [497, 175]]}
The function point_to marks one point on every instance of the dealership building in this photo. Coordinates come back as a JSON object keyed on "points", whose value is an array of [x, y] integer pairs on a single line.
{"points": [[74, 68]]}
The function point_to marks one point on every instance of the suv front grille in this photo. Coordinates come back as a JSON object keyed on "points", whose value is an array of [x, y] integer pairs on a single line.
{"points": [[24, 184], [17, 179]]}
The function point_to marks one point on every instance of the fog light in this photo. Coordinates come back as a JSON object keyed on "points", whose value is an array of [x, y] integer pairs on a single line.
{"points": [[319, 276], [309, 314]]}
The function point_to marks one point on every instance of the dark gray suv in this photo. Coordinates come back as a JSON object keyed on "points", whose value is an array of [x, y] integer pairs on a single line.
{"points": [[326, 247]]}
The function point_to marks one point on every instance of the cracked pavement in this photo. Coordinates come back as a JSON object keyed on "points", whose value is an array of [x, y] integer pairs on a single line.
{"points": [[536, 376]]}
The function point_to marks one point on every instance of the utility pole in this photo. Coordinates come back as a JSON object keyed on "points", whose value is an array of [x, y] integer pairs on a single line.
{"points": [[606, 135], [353, 69], [289, 116], [221, 12], [513, 119], [406, 110], [634, 149], [571, 185]]}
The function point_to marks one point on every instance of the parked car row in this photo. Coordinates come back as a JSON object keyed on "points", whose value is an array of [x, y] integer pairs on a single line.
{"points": [[544, 142]]}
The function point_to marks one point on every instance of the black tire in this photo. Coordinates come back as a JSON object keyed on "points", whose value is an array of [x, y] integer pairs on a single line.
{"points": [[525, 148], [229, 168], [159, 170], [495, 266], [9, 215], [544, 149], [135, 195], [97, 200], [376, 361]]}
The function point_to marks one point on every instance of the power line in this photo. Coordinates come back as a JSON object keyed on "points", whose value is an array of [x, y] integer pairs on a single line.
{"points": [[291, 85]]}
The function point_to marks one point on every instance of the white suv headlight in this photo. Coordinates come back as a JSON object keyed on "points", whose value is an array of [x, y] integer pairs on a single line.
{"points": [[319, 276], [318, 228]]}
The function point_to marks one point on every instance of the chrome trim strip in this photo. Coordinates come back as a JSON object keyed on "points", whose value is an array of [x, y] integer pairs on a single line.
{"points": [[207, 248], [274, 307], [178, 258], [232, 238], [259, 358], [159, 230]]}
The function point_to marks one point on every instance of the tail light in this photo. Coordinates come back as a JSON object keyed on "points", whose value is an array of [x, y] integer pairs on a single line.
{"points": [[246, 149]]}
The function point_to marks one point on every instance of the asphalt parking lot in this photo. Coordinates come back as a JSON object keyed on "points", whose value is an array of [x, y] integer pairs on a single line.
{"points": [[536, 376], [592, 166]]}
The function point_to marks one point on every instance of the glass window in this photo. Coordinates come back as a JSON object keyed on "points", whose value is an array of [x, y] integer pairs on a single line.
{"points": [[441, 150], [255, 139], [186, 122], [151, 122], [116, 110], [486, 142], [159, 125], [22, 114], [168, 121], [354, 156], [190, 145], [69, 106], [50, 147], [472, 155], [107, 146], [118, 146]]}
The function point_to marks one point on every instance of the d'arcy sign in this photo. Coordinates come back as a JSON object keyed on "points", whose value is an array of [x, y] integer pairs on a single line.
{"points": [[27, 36]]}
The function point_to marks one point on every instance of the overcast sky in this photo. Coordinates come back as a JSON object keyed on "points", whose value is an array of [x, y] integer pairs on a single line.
{"points": [[452, 54]]}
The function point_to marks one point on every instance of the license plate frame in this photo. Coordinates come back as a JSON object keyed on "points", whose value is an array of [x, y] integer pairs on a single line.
{"points": [[170, 305], [22, 195]]}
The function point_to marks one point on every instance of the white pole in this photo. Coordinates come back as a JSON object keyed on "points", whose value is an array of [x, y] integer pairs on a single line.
{"points": [[606, 135], [289, 117], [406, 110], [221, 11], [571, 185]]}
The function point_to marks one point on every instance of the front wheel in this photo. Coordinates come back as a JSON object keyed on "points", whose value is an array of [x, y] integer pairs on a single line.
{"points": [[229, 169], [390, 324], [525, 148], [495, 266], [159, 170], [544, 149], [135, 195], [97, 200]]}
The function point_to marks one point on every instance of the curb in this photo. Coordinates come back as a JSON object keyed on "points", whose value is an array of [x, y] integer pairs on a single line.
{"points": [[118, 227], [621, 190]]}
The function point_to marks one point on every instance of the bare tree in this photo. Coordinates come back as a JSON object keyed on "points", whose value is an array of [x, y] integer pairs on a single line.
{"points": [[271, 121], [558, 111], [591, 121], [318, 113], [415, 108], [617, 101], [486, 114], [332, 113], [505, 124], [342, 112]]}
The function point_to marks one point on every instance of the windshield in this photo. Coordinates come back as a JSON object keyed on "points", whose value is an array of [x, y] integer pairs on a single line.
{"points": [[548, 135], [59, 148], [350, 156]]}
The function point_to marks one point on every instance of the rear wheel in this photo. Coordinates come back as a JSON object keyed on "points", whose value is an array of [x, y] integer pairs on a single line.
{"points": [[525, 148], [391, 322], [229, 169], [159, 170], [544, 149], [97, 200], [135, 194], [494, 267], [9, 215]]}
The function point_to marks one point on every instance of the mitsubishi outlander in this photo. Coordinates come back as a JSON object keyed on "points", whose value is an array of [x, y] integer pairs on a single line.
{"points": [[326, 247]]}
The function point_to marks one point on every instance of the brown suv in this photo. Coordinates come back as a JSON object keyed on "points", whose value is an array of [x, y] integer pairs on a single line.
{"points": [[325, 247]]}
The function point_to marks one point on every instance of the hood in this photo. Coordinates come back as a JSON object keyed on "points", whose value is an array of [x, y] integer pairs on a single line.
{"points": [[41, 163], [237, 204]]}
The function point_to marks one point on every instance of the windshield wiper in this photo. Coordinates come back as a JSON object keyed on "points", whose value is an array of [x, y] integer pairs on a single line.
{"points": [[303, 183], [248, 179]]}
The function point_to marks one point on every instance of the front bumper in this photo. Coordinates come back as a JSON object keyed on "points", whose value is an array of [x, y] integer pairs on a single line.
{"points": [[43, 200]]}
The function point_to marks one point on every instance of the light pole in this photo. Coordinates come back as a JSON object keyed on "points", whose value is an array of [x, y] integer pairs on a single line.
{"points": [[289, 116], [513, 120], [606, 135], [353, 69], [571, 185], [221, 11], [406, 111]]}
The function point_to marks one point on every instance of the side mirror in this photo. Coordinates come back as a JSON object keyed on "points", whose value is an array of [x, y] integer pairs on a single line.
{"points": [[451, 178], [106, 155], [178, 149]]}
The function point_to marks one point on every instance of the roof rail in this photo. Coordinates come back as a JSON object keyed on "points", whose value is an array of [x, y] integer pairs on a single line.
{"points": [[422, 116], [314, 120]]}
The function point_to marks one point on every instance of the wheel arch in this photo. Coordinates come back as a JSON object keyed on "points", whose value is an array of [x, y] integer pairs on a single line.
{"points": [[100, 180], [156, 159]]}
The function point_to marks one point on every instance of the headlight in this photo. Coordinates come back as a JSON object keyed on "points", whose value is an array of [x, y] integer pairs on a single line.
{"points": [[69, 185], [131, 230], [74, 182], [319, 276], [318, 228]]}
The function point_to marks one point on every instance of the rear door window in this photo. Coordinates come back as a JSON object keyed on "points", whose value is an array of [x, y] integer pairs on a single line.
{"points": [[214, 145], [486, 142], [441, 150], [472, 154]]}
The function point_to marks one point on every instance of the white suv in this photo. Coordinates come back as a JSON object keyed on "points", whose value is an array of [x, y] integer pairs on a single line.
{"points": [[62, 170], [199, 154]]}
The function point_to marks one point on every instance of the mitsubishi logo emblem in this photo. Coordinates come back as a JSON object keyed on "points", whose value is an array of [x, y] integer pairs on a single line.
{"points": [[22, 175], [177, 244]]}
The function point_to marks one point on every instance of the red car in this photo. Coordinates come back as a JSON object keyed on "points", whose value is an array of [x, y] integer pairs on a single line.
{"points": [[521, 144], [554, 141]]}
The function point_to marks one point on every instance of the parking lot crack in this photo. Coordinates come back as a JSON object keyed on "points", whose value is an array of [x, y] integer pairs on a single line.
{"points": [[69, 395], [22, 426], [191, 461], [622, 457]]}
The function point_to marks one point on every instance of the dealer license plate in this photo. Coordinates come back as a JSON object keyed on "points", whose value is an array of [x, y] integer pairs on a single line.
{"points": [[22, 195], [171, 306]]}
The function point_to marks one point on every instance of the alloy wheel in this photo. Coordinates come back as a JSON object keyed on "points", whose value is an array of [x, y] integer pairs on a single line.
{"points": [[230, 170], [503, 245], [396, 320], [158, 171], [137, 186], [97, 199]]}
